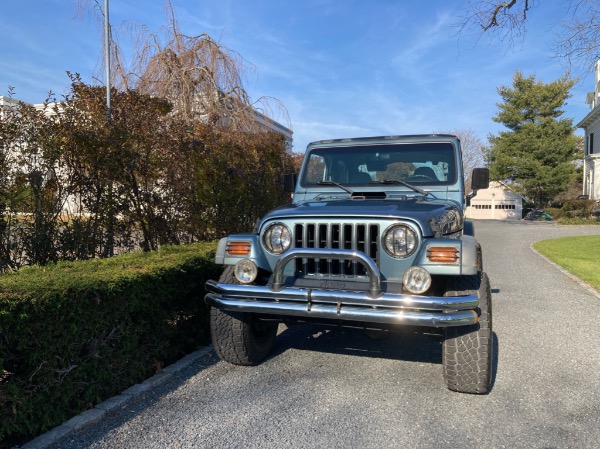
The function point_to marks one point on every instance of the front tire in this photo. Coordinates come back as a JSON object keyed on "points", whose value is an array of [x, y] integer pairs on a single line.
{"points": [[240, 338], [468, 351]]}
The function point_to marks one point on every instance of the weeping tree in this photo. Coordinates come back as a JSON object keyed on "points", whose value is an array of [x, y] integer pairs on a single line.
{"points": [[202, 78], [203, 82]]}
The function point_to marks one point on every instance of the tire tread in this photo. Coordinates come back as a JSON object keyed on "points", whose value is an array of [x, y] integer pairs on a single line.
{"points": [[232, 333], [468, 351]]}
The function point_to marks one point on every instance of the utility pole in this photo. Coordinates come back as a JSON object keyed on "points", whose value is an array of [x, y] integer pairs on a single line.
{"points": [[109, 251], [107, 58]]}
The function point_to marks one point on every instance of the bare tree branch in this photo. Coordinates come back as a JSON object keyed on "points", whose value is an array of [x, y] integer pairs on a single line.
{"points": [[577, 43], [493, 22]]}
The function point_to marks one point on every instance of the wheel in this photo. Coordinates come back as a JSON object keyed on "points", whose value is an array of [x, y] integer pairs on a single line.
{"points": [[240, 338], [468, 351]]}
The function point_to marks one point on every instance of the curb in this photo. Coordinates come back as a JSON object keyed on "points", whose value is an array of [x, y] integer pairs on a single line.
{"points": [[97, 413], [583, 284]]}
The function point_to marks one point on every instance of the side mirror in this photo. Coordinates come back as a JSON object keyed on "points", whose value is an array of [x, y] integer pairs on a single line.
{"points": [[289, 182], [480, 179]]}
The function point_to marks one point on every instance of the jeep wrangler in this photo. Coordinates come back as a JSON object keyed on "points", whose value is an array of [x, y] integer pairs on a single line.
{"points": [[375, 237]]}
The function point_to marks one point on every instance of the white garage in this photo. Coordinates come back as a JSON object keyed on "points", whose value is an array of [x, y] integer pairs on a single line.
{"points": [[497, 202]]}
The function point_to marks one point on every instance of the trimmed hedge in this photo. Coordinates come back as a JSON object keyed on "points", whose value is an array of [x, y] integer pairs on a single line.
{"points": [[75, 333]]}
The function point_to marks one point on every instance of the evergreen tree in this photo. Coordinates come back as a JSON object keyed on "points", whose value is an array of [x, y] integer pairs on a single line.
{"points": [[537, 152]]}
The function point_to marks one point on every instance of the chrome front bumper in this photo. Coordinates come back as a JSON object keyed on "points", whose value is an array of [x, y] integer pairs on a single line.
{"points": [[372, 306]]}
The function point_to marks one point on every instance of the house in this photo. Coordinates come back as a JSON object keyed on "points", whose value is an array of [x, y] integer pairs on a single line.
{"points": [[591, 125], [497, 202], [269, 124]]}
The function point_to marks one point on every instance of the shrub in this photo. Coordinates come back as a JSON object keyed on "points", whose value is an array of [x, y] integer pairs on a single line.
{"points": [[554, 212], [72, 187], [578, 208], [74, 333]]}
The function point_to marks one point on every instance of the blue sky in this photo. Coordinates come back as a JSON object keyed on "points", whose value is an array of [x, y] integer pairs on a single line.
{"points": [[342, 68]]}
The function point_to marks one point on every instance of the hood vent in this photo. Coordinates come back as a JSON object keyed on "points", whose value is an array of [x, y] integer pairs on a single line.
{"points": [[368, 196]]}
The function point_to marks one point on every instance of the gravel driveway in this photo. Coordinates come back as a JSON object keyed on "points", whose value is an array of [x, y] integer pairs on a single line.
{"points": [[340, 389]]}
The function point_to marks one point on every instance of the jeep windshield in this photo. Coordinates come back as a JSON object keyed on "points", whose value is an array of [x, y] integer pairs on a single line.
{"points": [[418, 164]]}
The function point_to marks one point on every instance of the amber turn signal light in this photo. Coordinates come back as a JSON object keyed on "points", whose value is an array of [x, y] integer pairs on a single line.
{"points": [[238, 248], [443, 254]]}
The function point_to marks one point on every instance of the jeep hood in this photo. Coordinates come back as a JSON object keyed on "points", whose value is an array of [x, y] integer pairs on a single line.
{"points": [[426, 213]]}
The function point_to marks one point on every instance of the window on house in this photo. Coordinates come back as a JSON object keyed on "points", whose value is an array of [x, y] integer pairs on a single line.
{"points": [[591, 146]]}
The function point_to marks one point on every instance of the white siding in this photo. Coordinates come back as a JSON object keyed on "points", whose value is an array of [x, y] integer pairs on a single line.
{"points": [[591, 125], [496, 203]]}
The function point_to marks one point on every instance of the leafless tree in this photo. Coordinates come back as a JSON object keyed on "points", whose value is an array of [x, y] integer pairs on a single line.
{"points": [[472, 151], [577, 42], [202, 78]]}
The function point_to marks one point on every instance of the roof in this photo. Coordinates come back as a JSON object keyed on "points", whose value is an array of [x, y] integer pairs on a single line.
{"points": [[593, 116], [383, 138], [503, 186]]}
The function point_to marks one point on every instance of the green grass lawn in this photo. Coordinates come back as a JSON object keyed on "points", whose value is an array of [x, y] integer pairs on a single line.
{"points": [[579, 255]]}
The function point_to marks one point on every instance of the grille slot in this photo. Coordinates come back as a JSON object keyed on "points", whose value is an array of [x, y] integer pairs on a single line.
{"points": [[361, 237]]}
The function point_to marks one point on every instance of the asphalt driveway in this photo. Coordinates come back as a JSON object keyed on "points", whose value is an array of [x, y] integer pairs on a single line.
{"points": [[341, 389]]}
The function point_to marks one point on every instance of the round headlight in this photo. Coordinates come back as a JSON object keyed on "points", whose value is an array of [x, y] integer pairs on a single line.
{"points": [[277, 238], [400, 241], [416, 280], [245, 271]]}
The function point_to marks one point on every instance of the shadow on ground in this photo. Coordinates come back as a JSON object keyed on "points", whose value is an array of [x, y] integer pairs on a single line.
{"points": [[405, 346]]}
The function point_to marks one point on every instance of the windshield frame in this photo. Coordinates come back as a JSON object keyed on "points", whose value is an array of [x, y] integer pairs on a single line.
{"points": [[370, 152]]}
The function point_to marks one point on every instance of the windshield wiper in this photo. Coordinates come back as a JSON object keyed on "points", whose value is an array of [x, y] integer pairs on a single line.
{"points": [[402, 183], [331, 183]]}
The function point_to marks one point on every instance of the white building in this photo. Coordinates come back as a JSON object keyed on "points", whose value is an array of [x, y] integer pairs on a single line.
{"points": [[272, 125], [497, 202], [6, 103], [591, 126]]}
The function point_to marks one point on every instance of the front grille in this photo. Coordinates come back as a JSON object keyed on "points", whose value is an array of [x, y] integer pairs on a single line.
{"points": [[361, 237]]}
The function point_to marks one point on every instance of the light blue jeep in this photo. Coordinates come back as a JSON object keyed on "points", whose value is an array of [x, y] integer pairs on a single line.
{"points": [[375, 237]]}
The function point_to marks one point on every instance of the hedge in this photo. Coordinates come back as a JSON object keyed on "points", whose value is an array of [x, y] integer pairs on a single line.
{"points": [[75, 333]]}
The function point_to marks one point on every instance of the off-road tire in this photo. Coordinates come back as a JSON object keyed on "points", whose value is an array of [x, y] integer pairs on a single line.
{"points": [[240, 338], [468, 351], [479, 260]]}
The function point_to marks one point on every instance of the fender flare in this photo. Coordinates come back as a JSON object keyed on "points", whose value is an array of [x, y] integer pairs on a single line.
{"points": [[469, 228]]}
